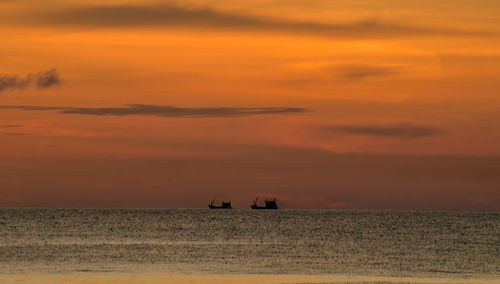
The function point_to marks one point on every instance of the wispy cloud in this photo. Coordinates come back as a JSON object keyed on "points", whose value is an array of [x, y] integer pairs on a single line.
{"points": [[343, 73], [14, 134], [33, 108], [359, 72], [11, 125], [130, 16], [44, 79], [164, 111], [402, 130]]}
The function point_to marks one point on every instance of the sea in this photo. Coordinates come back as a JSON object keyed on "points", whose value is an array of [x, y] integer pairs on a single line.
{"points": [[247, 246]]}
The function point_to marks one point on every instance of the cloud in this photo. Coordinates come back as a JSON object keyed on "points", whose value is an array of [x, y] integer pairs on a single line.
{"points": [[164, 111], [13, 82], [129, 16], [44, 79], [11, 125], [47, 78], [33, 108], [342, 73], [14, 134], [359, 72], [402, 130]]}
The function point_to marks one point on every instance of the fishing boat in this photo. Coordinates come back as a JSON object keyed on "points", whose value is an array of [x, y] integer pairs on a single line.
{"points": [[224, 205], [269, 204]]}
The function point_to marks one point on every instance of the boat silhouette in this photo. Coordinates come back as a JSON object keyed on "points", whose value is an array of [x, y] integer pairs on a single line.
{"points": [[269, 204], [224, 205]]}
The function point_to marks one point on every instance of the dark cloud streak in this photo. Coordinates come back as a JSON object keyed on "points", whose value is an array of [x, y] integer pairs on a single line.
{"points": [[359, 72], [128, 16], [33, 108], [14, 134], [164, 111], [403, 130]]}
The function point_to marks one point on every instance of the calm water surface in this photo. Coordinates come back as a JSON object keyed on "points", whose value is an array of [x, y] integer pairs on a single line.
{"points": [[389, 243]]}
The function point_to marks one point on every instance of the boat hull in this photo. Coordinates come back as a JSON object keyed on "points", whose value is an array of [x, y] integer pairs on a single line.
{"points": [[219, 207], [262, 207]]}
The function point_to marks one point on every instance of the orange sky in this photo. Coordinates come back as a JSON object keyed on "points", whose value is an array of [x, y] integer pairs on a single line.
{"points": [[326, 104]]}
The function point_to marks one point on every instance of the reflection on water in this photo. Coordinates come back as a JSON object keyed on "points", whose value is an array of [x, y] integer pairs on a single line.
{"points": [[105, 278], [310, 242]]}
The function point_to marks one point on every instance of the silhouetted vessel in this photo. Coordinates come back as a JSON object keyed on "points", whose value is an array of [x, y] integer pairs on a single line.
{"points": [[224, 205], [269, 204]]}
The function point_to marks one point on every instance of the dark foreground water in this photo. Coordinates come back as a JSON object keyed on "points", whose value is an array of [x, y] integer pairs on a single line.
{"points": [[388, 243]]}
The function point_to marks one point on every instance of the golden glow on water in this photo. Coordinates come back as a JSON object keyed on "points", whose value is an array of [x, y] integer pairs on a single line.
{"points": [[158, 278], [240, 242]]}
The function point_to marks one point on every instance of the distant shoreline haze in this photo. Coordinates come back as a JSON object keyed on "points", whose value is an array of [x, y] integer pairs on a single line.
{"points": [[297, 178]]}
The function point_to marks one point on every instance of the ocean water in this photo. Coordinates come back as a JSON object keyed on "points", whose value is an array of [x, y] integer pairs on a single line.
{"points": [[449, 245]]}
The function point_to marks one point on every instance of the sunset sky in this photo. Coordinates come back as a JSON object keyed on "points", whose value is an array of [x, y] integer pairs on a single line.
{"points": [[353, 104]]}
